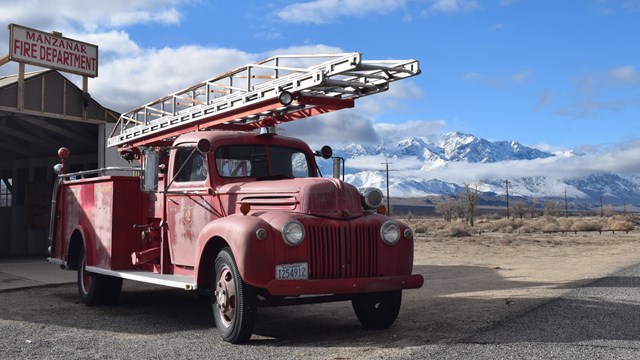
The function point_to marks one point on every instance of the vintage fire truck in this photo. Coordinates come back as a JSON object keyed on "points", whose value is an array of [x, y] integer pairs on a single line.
{"points": [[221, 204]]}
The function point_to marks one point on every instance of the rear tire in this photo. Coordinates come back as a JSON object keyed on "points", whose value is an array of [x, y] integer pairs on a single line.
{"points": [[96, 289], [377, 310], [233, 301]]}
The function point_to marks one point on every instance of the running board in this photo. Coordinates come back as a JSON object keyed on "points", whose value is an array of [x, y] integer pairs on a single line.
{"points": [[177, 281]]}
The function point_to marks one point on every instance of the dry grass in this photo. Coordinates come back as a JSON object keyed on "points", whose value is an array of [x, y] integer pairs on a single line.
{"points": [[620, 223], [544, 224]]}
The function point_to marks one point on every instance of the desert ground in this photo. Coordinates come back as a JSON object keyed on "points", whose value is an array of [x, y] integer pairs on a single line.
{"points": [[475, 280], [480, 280]]}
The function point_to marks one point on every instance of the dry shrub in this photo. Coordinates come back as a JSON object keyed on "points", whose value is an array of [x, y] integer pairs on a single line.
{"points": [[528, 228], [565, 224], [459, 230], [587, 225], [546, 224], [620, 223], [635, 219], [419, 225], [502, 225], [420, 228], [453, 229]]}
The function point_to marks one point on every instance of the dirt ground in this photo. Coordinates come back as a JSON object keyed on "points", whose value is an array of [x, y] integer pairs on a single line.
{"points": [[474, 282], [471, 284]]}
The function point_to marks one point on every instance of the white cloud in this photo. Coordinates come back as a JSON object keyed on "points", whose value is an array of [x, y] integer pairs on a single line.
{"points": [[452, 6], [128, 82], [337, 128], [69, 14], [115, 42], [409, 128], [521, 77], [517, 78], [100, 22], [587, 108], [544, 99], [498, 26], [327, 11], [405, 165], [623, 160], [625, 74]]}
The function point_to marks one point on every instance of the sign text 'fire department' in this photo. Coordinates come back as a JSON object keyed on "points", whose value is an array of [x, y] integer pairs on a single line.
{"points": [[52, 51]]}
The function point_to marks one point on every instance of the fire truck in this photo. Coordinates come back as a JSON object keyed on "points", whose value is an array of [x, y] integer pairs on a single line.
{"points": [[217, 202]]}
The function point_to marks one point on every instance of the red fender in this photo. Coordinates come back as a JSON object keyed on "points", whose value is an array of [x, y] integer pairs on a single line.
{"points": [[253, 256]]}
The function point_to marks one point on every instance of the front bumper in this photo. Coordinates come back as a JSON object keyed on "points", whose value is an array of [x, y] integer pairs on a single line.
{"points": [[344, 286]]}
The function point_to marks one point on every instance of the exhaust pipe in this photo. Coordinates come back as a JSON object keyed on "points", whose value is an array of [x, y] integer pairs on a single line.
{"points": [[338, 162]]}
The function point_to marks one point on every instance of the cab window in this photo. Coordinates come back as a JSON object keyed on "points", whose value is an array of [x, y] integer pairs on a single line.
{"points": [[238, 161], [194, 166]]}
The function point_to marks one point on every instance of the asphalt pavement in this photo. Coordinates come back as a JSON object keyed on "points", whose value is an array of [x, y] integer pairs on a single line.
{"points": [[600, 320], [26, 273]]}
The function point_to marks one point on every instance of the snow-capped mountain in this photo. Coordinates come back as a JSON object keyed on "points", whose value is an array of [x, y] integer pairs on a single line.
{"points": [[442, 165]]}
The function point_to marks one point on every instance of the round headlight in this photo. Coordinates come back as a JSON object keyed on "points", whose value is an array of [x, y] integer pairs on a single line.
{"points": [[390, 232], [293, 232], [371, 198]]}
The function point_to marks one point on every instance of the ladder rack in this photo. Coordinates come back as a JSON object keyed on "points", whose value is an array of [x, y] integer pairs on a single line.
{"points": [[249, 97]]}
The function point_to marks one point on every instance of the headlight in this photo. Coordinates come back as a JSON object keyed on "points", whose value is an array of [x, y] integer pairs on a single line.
{"points": [[293, 232], [390, 232], [371, 198]]}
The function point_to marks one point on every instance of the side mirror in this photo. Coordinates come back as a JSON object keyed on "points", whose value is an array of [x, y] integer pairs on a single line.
{"points": [[150, 168], [326, 152]]}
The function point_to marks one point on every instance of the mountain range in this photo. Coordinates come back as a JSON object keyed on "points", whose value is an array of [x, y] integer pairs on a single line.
{"points": [[443, 164]]}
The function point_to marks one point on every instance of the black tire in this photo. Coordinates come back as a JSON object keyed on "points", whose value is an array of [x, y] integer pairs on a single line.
{"points": [[233, 301], [377, 310], [97, 289]]}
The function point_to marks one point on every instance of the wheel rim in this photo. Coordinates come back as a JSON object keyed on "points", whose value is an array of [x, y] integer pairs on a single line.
{"points": [[225, 296], [85, 278]]}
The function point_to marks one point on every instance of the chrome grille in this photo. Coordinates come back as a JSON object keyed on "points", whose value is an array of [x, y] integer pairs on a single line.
{"points": [[344, 251]]}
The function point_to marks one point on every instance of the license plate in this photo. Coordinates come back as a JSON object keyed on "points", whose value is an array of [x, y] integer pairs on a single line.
{"points": [[297, 271]]}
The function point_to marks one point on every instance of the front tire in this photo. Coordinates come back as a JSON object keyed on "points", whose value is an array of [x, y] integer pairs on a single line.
{"points": [[377, 310], [96, 289], [233, 301]]}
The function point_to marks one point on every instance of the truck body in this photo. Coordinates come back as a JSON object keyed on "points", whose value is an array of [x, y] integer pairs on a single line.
{"points": [[244, 217]]}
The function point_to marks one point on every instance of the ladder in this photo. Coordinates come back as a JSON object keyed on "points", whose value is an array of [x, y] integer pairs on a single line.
{"points": [[276, 90]]}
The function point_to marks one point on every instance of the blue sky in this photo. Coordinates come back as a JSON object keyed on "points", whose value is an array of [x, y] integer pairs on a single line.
{"points": [[552, 74]]}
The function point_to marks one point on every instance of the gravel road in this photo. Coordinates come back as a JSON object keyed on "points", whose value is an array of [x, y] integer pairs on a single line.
{"points": [[596, 320]]}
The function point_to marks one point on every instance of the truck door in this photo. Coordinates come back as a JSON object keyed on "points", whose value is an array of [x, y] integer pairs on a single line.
{"points": [[188, 204]]}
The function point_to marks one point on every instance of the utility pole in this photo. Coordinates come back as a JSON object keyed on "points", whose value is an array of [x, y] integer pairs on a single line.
{"points": [[624, 204], [507, 187], [566, 206], [601, 209], [386, 163]]}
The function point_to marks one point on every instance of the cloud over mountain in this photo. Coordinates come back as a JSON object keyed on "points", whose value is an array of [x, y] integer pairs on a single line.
{"points": [[439, 164]]}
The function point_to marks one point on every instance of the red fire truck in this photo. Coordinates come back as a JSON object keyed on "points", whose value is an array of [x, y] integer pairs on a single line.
{"points": [[221, 204]]}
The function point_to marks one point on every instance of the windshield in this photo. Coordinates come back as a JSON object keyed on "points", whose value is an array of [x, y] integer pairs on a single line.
{"points": [[238, 161]]}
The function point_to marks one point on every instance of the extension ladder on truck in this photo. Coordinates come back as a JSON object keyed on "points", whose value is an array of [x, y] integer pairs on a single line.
{"points": [[275, 90]]}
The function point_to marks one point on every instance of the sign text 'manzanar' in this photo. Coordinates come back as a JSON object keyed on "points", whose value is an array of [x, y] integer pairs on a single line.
{"points": [[49, 50]]}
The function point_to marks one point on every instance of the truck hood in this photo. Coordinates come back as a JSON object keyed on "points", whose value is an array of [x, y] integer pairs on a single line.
{"points": [[326, 197]]}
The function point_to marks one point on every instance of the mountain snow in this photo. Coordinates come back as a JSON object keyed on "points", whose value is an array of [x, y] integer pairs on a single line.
{"points": [[442, 164]]}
